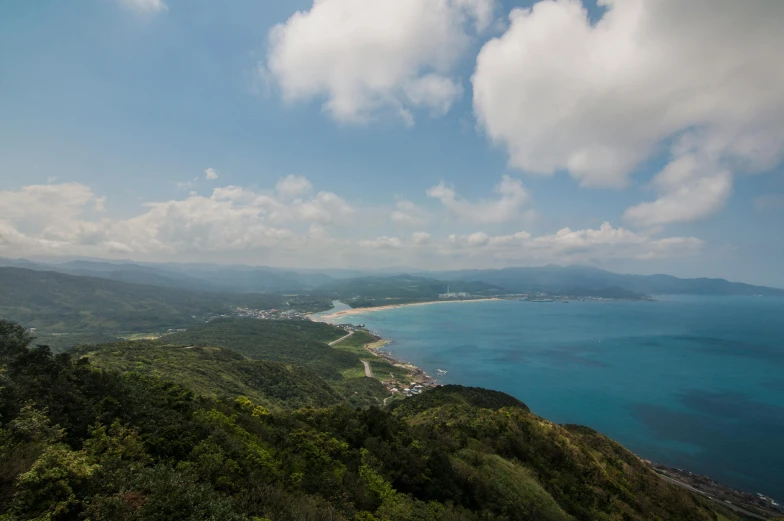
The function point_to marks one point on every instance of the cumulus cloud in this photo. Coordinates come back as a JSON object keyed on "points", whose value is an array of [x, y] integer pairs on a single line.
{"points": [[596, 100], [407, 213], [251, 224], [144, 6], [38, 205], [42, 218], [512, 195], [383, 243], [372, 56], [688, 191], [420, 238], [210, 174], [568, 246], [293, 186]]}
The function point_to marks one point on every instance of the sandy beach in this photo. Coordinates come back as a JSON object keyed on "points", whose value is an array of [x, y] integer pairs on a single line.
{"points": [[360, 311]]}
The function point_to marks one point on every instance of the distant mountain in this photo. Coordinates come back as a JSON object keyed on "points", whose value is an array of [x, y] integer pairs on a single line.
{"points": [[401, 288], [588, 281], [60, 302], [196, 277], [551, 279]]}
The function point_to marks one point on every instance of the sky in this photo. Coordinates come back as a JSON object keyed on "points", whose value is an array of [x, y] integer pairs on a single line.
{"points": [[640, 137]]}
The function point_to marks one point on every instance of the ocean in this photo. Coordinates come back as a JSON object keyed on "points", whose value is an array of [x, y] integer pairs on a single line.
{"points": [[691, 382]]}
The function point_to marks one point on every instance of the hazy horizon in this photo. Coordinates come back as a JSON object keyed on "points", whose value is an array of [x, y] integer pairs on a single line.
{"points": [[380, 270]]}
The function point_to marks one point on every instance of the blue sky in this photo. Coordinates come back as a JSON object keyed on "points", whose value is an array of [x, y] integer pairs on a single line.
{"points": [[354, 136]]}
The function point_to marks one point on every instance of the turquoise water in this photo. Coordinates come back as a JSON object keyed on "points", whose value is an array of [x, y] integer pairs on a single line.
{"points": [[691, 382]]}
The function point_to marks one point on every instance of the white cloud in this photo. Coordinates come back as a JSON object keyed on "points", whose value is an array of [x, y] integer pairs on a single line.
{"points": [[373, 56], [324, 208], [37, 205], [383, 243], [596, 100], [144, 6], [689, 191], [49, 217], [420, 238], [263, 227], [210, 174], [293, 186], [570, 246], [407, 213], [512, 196]]}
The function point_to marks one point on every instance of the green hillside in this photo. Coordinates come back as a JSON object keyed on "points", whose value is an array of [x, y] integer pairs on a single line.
{"points": [[216, 372], [55, 302], [79, 442], [300, 345], [300, 342]]}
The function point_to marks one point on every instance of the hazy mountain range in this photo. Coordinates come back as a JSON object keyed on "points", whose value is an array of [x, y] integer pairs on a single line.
{"points": [[551, 279]]}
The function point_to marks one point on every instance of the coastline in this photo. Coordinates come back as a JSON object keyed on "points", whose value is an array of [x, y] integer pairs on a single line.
{"points": [[359, 311], [737, 500]]}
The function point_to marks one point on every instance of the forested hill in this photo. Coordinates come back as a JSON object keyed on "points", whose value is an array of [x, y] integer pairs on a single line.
{"points": [[55, 301], [377, 291], [78, 442], [588, 281]]}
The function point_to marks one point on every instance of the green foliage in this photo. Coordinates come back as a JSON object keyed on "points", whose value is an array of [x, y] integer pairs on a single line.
{"points": [[217, 372], [299, 342], [59, 303], [48, 490], [78, 442]]}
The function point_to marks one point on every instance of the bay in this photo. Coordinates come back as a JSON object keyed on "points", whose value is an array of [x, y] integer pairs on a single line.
{"points": [[691, 382]]}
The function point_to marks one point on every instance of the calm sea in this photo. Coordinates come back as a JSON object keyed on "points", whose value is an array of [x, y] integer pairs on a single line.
{"points": [[691, 382]]}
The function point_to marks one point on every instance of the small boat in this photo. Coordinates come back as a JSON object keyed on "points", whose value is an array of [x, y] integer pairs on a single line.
{"points": [[441, 371]]}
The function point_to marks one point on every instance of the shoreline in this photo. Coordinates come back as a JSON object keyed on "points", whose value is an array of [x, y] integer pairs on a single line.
{"points": [[359, 311], [737, 500]]}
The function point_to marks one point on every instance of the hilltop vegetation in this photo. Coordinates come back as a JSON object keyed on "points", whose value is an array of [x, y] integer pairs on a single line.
{"points": [[277, 362], [216, 372], [300, 342], [79, 442], [57, 303]]}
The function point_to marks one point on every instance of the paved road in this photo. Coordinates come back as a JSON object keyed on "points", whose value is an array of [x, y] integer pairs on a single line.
{"points": [[341, 338], [726, 504], [368, 370]]}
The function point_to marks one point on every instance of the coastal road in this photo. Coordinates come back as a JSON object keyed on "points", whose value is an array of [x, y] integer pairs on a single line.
{"points": [[341, 338], [368, 370], [731, 506]]}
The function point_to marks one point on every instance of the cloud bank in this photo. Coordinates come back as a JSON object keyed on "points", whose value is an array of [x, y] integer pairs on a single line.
{"points": [[289, 225], [701, 80]]}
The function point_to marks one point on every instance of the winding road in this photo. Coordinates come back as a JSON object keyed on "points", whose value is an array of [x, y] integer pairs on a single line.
{"points": [[341, 338], [368, 370]]}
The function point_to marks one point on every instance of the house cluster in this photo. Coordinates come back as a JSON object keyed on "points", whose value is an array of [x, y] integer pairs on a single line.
{"points": [[270, 314], [350, 327], [410, 389], [451, 294]]}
